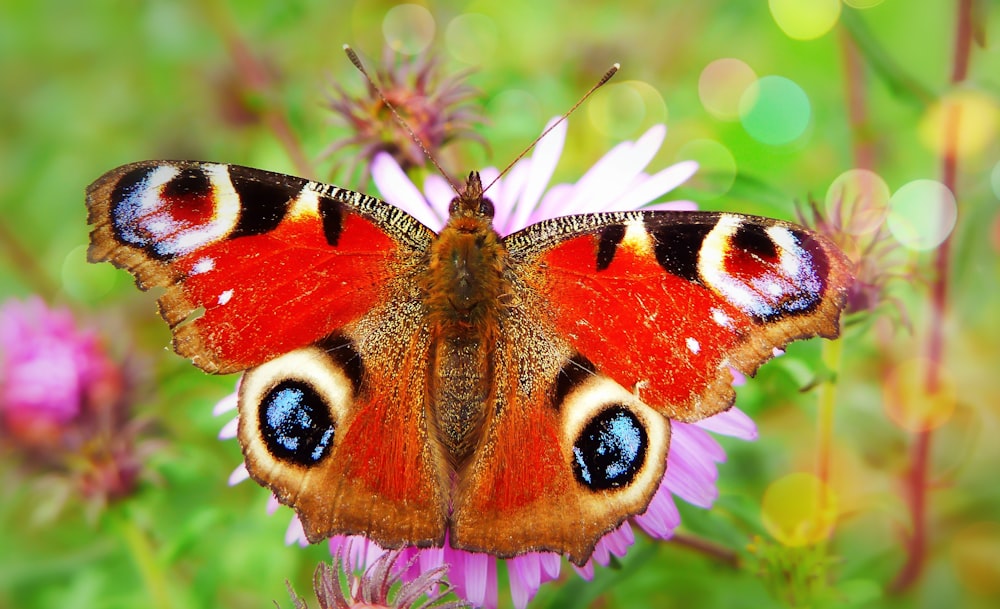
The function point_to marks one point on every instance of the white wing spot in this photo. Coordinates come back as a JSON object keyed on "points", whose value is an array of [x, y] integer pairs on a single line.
{"points": [[203, 266], [225, 297], [692, 345], [719, 316]]}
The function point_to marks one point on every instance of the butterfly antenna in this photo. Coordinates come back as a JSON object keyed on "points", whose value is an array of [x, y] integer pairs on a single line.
{"points": [[399, 119], [600, 83]]}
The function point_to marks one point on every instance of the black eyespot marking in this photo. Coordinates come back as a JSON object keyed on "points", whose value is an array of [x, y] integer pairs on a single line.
{"points": [[577, 370], [190, 182], [676, 247], [332, 213], [610, 450], [295, 423], [607, 245], [753, 238], [262, 204], [342, 350]]}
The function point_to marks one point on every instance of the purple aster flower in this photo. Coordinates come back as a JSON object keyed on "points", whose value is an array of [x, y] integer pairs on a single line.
{"points": [[522, 197]]}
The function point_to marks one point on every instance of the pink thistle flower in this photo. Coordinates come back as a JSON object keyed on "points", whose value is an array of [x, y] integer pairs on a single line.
{"points": [[62, 401], [435, 108], [373, 589], [617, 182]]}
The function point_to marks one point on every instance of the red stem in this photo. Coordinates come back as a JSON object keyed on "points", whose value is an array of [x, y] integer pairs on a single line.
{"points": [[857, 110], [918, 478], [254, 77]]}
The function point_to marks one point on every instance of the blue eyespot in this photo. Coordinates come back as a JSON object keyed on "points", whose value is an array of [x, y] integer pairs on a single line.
{"points": [[295, 423], [610, 450]]}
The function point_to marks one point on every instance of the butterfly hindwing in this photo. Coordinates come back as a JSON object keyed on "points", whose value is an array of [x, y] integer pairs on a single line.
{"points": [[567, 454], [667, 302]]}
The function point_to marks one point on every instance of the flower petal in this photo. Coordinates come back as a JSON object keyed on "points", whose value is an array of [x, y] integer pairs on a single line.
{"points": [[396, 188], [733, 422], [648, 188], [230, 429], [543, 165]]}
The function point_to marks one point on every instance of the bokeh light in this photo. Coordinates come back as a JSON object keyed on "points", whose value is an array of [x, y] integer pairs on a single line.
{"points": [[516, 112], [975, 557], [721, 86], [716, 166], [408, 28], [963, 122], [799, 510], [922, 214], [621, 110], [805, 19], [859, 199], [471, 38], [776, 111], [910, 404], [84, 281]]}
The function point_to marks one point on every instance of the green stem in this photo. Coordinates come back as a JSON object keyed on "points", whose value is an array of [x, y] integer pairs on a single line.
{"points": [[144, 557]]}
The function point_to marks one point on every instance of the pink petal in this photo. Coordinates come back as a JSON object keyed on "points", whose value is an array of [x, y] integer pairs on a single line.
{"points": [[506, 193], [229, 430], [525, 578], [697, 444], [225, 404], [648, 188], [294, 534], [238, 475], [661, 517], [586, 571], [543, 165], [439, 193], [688, 481], [733, 422], [396, 188]]}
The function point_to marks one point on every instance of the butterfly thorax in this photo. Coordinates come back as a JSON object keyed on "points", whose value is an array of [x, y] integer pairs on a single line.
{"points": [[464, 284]]}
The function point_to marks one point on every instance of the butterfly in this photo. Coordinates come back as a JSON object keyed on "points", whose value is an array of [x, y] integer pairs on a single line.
{"points": [[514, 393]]}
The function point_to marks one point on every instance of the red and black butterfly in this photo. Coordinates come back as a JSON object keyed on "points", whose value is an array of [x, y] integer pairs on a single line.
{"points": [[513, 392]]}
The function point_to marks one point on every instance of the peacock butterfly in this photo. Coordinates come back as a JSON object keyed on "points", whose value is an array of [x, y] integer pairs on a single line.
{"points": [[515, 393]]}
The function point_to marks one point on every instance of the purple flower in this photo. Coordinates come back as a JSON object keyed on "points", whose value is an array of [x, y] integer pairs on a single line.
{"points": [[51, 373], [62, 402], [522, 197], [373, 589], [434, 107]]}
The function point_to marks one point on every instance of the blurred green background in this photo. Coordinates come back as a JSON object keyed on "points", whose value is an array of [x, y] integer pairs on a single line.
{"points": [[87, 86]]}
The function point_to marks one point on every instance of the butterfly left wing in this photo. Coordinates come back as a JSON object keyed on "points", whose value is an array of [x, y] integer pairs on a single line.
{"points": [[312, 288], [272, 262]]}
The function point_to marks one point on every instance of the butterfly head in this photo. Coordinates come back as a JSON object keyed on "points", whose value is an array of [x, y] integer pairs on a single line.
{"points": [[471, 203]]}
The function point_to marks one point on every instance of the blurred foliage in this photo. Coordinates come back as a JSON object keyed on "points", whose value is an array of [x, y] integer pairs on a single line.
{"points": [[91, 85]]}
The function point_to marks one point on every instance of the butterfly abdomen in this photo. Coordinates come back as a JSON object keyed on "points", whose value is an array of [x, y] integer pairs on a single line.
{"points": [[463, 284]]}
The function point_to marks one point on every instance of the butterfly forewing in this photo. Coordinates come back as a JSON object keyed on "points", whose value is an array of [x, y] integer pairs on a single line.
{"points": [[667, 302], [271, 262]]}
